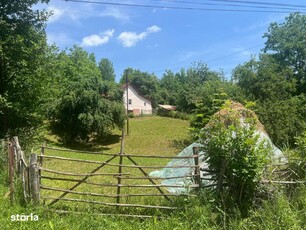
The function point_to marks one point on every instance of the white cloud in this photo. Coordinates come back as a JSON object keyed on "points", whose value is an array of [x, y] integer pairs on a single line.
{"points": [[129, 39], [57, 13], [153, 29], [64, 13], [98, 39]]}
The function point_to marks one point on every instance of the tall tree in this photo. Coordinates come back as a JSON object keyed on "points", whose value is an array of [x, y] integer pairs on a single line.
{"points": [[199, 73], [84, 108], [170, 88], [287, 43], [265, 79], [211, 97], [192, 82], [107, 70], [23, 49], [273, 87]]}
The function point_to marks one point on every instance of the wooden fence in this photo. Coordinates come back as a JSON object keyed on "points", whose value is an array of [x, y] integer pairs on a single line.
{"points": [[40, 175], [41, 179]]}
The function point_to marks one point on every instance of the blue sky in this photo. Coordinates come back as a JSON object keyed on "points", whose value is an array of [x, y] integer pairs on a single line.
{"points": [[158, 39]]}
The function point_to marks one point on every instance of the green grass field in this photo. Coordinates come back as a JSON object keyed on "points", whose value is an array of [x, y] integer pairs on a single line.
{"points": [[151, 135], [148, 136], [155, 136]]}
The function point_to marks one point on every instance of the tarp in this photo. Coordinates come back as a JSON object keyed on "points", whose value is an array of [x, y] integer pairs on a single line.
{"points": [[276, 156]]}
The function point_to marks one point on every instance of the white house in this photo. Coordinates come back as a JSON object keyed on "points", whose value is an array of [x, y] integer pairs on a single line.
{"points": [[135, 102]]}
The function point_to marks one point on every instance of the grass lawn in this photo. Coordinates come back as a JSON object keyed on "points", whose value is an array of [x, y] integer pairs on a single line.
{"points": [[148, 136], [155, 136], [151, 135]]}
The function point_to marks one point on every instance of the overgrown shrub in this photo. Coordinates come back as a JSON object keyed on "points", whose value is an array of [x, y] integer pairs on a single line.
{"points": [[173, 114], [131, 115], [235, 152]]}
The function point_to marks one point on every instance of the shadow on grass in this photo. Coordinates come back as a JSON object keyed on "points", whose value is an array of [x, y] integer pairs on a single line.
{"points": [[108, 140], [97, 145]]}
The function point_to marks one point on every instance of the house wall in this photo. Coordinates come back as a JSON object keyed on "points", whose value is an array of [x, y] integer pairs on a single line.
{"points": [[139, 105]]}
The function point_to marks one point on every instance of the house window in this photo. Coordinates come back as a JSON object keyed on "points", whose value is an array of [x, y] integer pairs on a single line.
{"points": [[130, 101], [145, 104]]}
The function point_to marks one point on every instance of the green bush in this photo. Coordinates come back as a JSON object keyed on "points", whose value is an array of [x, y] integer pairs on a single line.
{"points": [[131, 115], [82, 113], [173, 114], [237, 155]]}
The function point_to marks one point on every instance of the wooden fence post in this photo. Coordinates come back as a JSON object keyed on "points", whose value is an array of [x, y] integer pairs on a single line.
{"points": [[34, 179], [17, 153], [120, 168], [197, 177], [42, 153], [22, 170], [11, 170]]}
